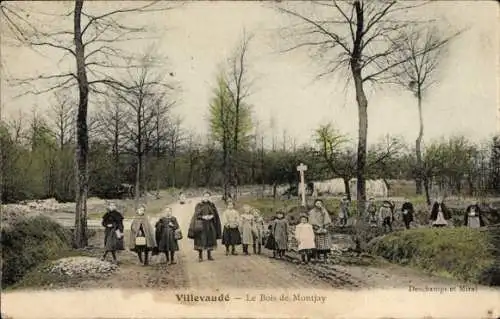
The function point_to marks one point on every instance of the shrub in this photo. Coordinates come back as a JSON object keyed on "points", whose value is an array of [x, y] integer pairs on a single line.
{"points": [[28, 243], [461, 253]]}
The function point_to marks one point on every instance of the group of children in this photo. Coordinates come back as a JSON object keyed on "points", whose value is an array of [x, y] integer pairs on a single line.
{"points": [[312, 234], [245, 228], [440, 215], [144, 239]]}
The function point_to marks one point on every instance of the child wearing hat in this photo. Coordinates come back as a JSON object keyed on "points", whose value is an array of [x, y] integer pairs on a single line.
{"points": [[386, 216], [304, 235]]}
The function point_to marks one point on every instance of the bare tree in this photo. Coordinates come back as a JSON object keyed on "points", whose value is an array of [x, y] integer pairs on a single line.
{"points": [[111, 126], [272, 126], [358, 35], [175, 136], [422, 50], [143, 92], [193, 146], [91, 44], [63, 119], [159, 141], [338, 158]]}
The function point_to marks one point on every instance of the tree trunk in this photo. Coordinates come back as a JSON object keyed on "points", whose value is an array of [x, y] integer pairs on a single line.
{"points": [[418, 146], [262, 167], [174, 172], [470, 182], [362, 108], [362, 138], [138, 180], [190, 173], [225, 164], [80, 239], [427, 190], [347, 188]]}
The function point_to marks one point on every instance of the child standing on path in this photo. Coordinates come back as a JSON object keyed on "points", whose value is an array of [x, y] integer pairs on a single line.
{"points": [[246, 228], [231, 236], [270, 242], [305, 237], [258, 231], [280, 233]]}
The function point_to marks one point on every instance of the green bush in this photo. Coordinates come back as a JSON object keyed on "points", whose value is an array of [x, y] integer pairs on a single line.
{"points": [[29, 243], [461, 253]]}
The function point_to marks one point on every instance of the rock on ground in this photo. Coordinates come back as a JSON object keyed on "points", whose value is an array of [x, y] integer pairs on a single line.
{"points": [[77, 266]]}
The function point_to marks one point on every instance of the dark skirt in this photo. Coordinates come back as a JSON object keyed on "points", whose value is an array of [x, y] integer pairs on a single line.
{"points": [[111, 241], [165, 237], [231, 236], [141, 248], [270, 243], [206, 239]]}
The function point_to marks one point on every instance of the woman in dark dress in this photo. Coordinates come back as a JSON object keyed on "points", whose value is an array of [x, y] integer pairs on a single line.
{"points": [[112, 222], [407, 211], [440, 214], [166, 229], [205, 227]]}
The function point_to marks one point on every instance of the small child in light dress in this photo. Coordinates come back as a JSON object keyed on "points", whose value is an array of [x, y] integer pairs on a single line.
{"points": [[304, 235], [439, 215]]}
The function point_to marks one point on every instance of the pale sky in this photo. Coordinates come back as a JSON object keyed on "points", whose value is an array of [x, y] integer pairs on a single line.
{"points": [[200, 35]]}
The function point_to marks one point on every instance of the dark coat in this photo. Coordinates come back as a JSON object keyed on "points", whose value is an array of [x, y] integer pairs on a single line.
{"points": [[408, 207], [165, 234], [111, 241], [206, 237], [478, 212], [434, 211], [270, 242]]}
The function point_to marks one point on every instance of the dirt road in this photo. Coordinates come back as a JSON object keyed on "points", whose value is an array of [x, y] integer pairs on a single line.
{"points": [[254, 271], [153, 291]]}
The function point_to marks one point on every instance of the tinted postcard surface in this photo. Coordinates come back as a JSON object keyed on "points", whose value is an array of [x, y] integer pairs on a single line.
{"points": [[256, 159]]}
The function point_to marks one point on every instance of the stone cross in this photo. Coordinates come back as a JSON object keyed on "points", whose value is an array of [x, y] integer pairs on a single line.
{"points": [[301, 169]]}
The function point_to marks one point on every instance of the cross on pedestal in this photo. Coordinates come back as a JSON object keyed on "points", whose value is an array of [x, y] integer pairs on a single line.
{"points": [[301, 169]]}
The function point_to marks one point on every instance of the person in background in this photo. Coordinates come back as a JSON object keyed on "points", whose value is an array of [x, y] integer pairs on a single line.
{"points": [[167, 235], [386, 215], [270, 242], [258, 231], [407, 212], [304, 234], [344, 211], [112, 222], [473, 217], [231, 236], [142, 238], [439, 214], [182, 198], [371, 211], [320, 220], [246, 228], [205, 227], [280, 234]]}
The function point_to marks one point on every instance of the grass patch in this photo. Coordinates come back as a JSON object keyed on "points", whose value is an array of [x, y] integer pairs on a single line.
{"points": [[29, 243], [460, 253]]}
